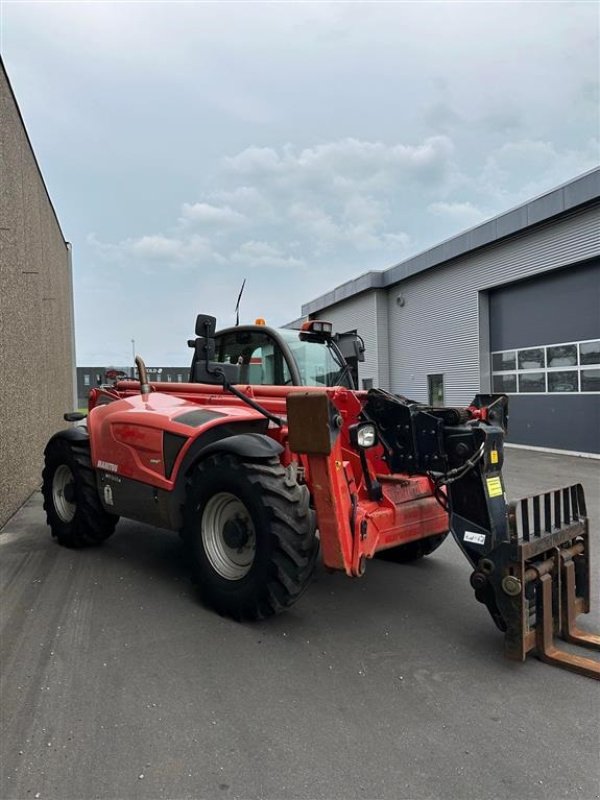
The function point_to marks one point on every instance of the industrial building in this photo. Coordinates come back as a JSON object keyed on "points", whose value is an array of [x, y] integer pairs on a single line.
{"points": [[37, 352], [92, 377], [512, 305]]}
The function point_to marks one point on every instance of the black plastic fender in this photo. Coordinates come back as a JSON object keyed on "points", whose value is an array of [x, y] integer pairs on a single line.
{"points": [[78, 433], [253, 446]]}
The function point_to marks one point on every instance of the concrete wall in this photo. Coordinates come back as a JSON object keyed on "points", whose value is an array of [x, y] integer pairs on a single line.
{"points": [[36, 314]]}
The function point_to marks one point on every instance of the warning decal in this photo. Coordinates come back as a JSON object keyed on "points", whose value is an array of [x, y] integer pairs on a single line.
{"points": [[472, 536], [494, 486]]}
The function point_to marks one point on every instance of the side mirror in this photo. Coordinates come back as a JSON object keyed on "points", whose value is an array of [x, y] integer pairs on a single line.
{"points": [[350, 345], [206, 325], [359, 349]]}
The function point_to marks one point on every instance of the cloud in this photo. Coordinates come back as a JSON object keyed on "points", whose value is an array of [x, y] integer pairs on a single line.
{"points": [[156, 251], [262, 254], [155, 247], [524, 168], [345, 163], [345, 204], [207, 214], [464, 215], [326, 204], [247, 200], [442, 117]]}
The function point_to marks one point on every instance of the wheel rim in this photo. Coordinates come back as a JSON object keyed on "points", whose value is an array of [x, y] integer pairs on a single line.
{"points": [[62, 490], [228, 536]]}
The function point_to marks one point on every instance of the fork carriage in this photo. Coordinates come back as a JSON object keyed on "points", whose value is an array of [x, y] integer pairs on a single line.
{"points": [[542, 578]]}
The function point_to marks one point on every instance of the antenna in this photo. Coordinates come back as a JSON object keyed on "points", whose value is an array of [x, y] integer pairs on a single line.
{"points": [[237, 305]]}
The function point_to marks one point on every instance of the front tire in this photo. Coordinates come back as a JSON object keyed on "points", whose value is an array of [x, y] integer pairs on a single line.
{"points": [[413, 551], [250, 535], [73, 509]]}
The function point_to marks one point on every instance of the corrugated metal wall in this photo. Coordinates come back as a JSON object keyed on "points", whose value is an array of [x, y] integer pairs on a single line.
{"points": [[361, 313], [383, 341], [436, 330]]}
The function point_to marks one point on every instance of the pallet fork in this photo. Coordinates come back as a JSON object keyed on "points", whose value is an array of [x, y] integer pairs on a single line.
{"points": [[536, 580], [544, 579]]}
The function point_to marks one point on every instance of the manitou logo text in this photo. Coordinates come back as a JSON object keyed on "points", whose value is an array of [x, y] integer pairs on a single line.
{"points": [[107, 466]]}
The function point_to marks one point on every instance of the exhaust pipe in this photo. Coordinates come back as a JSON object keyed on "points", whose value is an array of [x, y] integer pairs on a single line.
{"points": [[141, 368]]}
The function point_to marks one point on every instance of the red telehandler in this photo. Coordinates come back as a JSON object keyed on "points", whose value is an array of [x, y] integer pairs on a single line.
{"points": [[268, 455]]}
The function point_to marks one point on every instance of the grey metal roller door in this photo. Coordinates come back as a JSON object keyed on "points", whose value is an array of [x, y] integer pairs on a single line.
{"points": [[554, 321]]}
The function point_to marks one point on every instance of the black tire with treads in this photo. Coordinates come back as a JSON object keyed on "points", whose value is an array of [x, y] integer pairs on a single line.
{"points": [[285, 543], [91, 524]]}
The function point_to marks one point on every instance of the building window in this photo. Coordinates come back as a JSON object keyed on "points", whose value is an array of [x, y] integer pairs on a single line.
{"points": [[589, 352], [505, 384], [435, 386], [169, 378], [532, 382], [367, 383], [532, 358], [564, 355], [590, 380], [563, 381], [86, 380], [504, 362], [179, 378], [554, 369]]}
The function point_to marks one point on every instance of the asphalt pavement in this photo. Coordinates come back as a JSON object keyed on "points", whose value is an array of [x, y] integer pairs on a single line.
{"points": [[117, 683]]}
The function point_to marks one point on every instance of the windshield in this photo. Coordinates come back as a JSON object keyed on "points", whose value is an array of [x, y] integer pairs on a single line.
{"points": [[318, 363], [262, 361]]}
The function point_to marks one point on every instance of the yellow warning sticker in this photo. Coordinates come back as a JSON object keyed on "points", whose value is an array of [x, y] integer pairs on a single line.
{"points": [[494, 456], [494, 486]]}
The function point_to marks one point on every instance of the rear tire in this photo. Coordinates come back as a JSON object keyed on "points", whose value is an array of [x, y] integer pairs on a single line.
{"points": [[250, 535], [73, 509], [413, 551]]}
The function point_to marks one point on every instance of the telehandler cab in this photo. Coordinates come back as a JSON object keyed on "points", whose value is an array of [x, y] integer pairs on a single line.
{"points": [[269, 454]]}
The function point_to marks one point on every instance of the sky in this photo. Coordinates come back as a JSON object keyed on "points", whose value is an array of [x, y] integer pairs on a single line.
{"points": [[187, 146]]}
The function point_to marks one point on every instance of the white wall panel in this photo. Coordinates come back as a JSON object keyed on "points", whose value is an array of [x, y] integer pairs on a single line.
{"points": [[360, 313]]}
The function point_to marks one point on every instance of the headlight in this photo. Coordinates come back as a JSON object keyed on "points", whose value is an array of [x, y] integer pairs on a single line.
{"points": [[363, 436]]}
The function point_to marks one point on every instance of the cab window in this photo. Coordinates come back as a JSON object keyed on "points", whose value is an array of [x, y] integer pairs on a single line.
{"points": [[260, 359]]}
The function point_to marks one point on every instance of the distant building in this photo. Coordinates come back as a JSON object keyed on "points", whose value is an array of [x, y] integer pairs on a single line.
{"points": [[511, 306], [37, 358], [90, 377]]}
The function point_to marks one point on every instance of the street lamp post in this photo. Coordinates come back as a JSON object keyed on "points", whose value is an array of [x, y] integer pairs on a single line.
{"points": [[133, 358]]}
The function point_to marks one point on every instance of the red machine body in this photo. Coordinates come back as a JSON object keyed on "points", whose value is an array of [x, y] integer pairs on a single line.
{"points": [[130, 432]]}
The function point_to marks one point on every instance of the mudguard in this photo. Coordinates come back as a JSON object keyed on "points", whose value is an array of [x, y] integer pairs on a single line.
{"points": [[251, 446], [78, 433]]}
